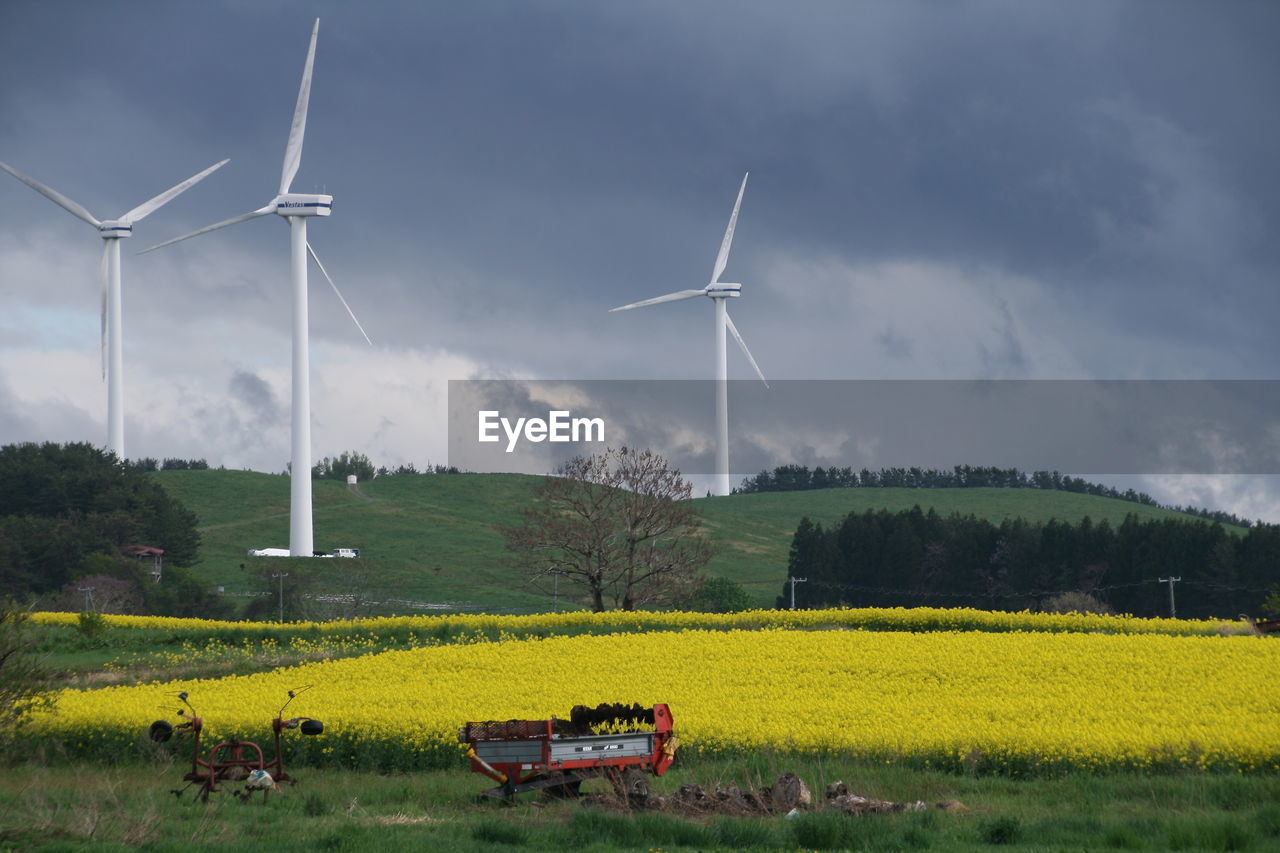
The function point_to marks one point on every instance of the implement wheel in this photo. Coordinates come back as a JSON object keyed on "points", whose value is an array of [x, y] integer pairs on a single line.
{"points": [[634, 786]]}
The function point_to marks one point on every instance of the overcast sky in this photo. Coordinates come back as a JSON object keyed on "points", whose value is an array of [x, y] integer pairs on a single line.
{"points": [[972, 190]]}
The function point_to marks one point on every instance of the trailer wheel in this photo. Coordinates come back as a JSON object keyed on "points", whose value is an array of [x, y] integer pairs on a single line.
{"points": [[635, 786]]}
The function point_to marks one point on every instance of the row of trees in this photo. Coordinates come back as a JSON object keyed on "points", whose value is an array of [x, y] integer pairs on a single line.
{"points": [[147, 464], [353, 462], [789, 478], [330, 468], [915, 558]]}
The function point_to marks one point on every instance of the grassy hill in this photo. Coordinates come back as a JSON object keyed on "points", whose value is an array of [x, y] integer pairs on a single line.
{"points": [[431, 537]]}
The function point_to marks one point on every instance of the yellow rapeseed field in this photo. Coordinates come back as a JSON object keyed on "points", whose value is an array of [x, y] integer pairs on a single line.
{"points": [[1016, 702], [875, 618]]}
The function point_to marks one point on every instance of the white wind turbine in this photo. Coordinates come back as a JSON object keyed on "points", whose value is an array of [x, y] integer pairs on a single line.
{"points": [[718, 292], [296, 207], [112, 231]]}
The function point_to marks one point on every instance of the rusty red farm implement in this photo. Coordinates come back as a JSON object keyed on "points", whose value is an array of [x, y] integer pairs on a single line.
{"points": [[621, 743], [234, 760]]}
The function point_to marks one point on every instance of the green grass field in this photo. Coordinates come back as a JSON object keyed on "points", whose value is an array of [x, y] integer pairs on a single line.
{"points": [[127, 807], [432, 538], [50, 803]]}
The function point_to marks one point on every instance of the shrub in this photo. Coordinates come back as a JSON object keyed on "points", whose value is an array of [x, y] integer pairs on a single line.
{"points": [[91, 625], [22, 672], [720, 595], [1075, 602]]}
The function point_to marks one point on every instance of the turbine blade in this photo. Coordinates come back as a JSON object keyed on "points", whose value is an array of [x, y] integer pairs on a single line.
{"points": [[148, 207], [316, 258], [293, 150], [670, 297], [722, 259], [75, 208], [102, 330], [262, 211], [733, 330]]}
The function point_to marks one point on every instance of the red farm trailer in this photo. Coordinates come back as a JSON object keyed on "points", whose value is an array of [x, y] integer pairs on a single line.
{"points": [[618, 742]]}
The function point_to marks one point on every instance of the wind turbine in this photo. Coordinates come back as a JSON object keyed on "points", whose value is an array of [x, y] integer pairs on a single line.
{"points": [[111, 336], [718, 292], [295, 208]]}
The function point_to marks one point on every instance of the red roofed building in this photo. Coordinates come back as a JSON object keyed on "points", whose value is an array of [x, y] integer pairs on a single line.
{"points": [[146, 552]]}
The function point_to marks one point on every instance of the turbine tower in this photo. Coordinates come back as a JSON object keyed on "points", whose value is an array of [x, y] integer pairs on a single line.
{"points": [[718, 292], [111, 336], [295, 208]]}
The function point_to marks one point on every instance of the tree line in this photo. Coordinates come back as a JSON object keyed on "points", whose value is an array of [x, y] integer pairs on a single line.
{"points": [[329, 468], [916, 558], [354, 462], [65, 513], [791, 478], [148, 464]]}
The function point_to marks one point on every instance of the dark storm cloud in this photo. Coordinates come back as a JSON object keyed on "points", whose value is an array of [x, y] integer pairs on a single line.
{"points": [[979, 189], [559, 151], [257, 398], [604, 146]]}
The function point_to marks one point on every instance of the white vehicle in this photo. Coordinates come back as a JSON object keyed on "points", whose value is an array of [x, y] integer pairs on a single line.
{"points": [[284, 552]]}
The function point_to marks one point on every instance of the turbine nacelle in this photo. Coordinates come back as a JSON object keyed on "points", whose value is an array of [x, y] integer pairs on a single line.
{"points": [[724, 290], [113, 229], [303, 204]]}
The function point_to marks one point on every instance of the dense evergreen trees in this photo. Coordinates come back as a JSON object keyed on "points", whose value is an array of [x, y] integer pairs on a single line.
{"points": [[914, 558], [65, 511], [791, 478]]}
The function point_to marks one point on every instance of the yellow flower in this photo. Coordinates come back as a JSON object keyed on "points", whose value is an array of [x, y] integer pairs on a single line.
{"points": [[1013, 702]]}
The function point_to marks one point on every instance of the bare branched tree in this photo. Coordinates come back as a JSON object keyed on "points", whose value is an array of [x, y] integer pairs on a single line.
{"points": [[617, 524]]}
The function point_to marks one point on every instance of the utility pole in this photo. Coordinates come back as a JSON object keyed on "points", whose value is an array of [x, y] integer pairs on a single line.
{"points": [[555, 589], [1171, 580], [793, 582], [281, 576], [88, 597]]}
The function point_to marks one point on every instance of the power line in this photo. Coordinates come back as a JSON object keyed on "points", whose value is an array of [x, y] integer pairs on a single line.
{"points": [[883, 590]]}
